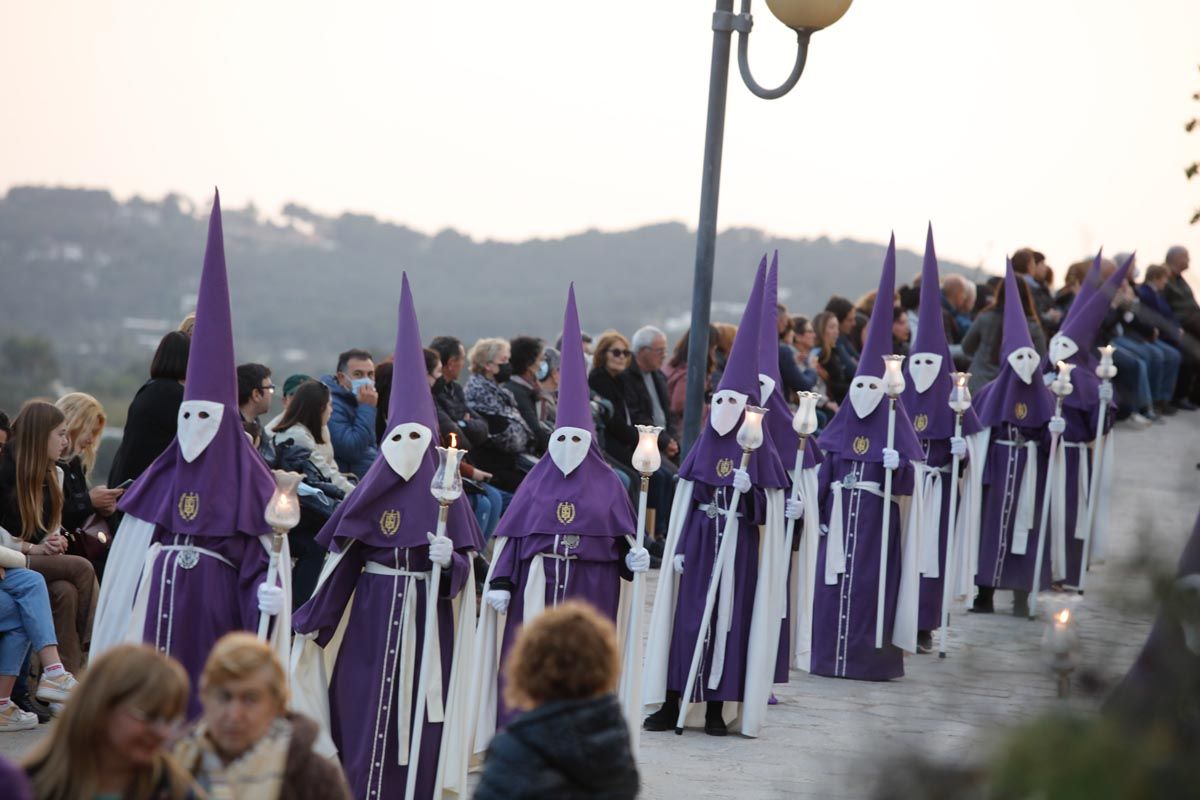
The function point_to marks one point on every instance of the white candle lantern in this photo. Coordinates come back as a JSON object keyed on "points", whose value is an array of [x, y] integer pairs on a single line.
{"points": [[893, 376], [283, 511], [960, 394], [1061, 385], [646, 457], [1106, 370], [805, 420], [446, 486], [750, 435]]}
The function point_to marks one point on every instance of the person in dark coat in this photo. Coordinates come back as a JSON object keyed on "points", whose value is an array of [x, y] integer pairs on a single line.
{"points": [[572, 742], [526, 358], [152, 417]]}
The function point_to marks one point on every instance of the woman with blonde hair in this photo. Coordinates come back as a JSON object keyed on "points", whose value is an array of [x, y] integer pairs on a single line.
{"points": [[85, 508], [247, 745], [31, 509], [571, 740], [110, 739]]}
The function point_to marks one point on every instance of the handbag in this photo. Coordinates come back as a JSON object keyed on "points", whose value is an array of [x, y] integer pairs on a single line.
{"points": [[90, 540]]}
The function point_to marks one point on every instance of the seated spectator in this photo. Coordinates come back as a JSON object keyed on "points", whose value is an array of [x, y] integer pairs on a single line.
{"points": [[572, 739], [352, 426], [247, 744], [676, 375], [305, 424], [1154, 305], [958, 301], [255, 391], [1178, 292], [110, 741], [1137, 336], [1076, 274], [31, 507], [982, 342], [525, 360], [847, 317], [611, 359], [289, 388], [85, 509], [152, 416], [797, 376], [448, 392], [547, 378], [645, 385], [383, 386], [900, 331], [1031, 266], [25, 619], [830, 366], [724, 345], [506, 451]]}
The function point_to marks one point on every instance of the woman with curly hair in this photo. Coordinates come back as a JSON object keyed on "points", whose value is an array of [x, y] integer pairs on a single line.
{"points": [[571, 740]]}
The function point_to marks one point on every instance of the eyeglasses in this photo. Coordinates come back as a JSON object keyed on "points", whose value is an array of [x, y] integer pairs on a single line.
{"points": [[270, 387], [620, 353]]}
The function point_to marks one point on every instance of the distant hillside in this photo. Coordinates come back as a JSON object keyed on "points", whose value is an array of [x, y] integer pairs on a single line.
{"points": [[102, 280]]}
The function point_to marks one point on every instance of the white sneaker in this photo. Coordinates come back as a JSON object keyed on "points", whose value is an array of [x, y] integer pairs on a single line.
{"points": [[56, 689], [1138, 421], [13, 718]]}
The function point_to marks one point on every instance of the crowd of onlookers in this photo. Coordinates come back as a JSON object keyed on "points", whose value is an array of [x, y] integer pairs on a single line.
{"points": [[497, 399]]}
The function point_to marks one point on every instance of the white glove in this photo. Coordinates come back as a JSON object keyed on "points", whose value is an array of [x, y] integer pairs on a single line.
{"points": [[793, 509], [958, 446], [498, 599], [1106, 392], [1057, 425], [440, 549], [677, 563], [891, 459], [638, 559], [1049, 377], [270, 599], [741, 480]]}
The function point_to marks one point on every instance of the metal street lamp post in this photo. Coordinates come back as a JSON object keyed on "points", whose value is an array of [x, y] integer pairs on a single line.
{"points": [[805, 17]]}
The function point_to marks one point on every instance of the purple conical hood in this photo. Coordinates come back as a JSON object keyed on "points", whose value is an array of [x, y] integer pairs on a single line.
{"points": [[741, 368], [713, 457], [865, 439], [1007, 398], [1016, 325], [574, 410], [385, 510], [591, 500], [778, 421], [211, 370], [1091, 282], [931, 328], [226, 488]]}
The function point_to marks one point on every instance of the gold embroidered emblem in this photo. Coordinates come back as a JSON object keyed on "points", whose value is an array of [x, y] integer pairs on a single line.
{"points": [[1021, 410], [189, 506], [724, 467], [861, 445], [566, 513], [921, 422], [389, 522]]}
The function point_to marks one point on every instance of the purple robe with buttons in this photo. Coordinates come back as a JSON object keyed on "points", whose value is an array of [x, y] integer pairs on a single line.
{"points": [[363, 691], [929, 610], [999, 567], [844, 613]]}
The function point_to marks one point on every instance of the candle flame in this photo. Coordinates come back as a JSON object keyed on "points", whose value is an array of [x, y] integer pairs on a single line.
{"points": [[453, 440], [1063, 616]]}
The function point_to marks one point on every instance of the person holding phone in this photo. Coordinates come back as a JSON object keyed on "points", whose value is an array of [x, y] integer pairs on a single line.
{"points": [[86, 510], [355, 402]]}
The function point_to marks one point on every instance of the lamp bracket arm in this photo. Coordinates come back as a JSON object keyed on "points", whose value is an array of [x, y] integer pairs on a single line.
{"points": [[802, 38]]}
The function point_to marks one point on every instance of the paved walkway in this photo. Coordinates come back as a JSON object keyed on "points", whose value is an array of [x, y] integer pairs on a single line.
{"points": [[826, 737]]}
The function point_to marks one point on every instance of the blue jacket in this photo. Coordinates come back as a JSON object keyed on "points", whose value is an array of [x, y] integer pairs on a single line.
{"points": [[1158, 313], [352, 429]]}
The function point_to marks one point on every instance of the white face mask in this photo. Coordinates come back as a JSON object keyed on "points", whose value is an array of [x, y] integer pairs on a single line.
{"points": [[198, 423], [924, 369], [1062, 348], [568, 447], [866, 392], [766, 388], [726, 410], [1024, 361], [405, 446]]}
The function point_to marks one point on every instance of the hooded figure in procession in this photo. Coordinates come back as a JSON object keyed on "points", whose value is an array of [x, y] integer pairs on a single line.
{"points": [[852, 481], [189, 561], [563, 537], [1017, 408], [1074, 344], [926, 400], [740, 638], [360, 637], [796, 634]]}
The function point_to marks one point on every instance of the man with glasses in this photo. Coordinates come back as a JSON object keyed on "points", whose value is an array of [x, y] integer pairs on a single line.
{"points": [[255, 391]]}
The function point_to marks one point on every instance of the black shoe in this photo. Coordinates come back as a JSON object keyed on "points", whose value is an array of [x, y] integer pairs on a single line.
{"points": [[655, 546], [714, 723], [1020, 604], [663, 719], [655, 562], [982, 606], [924, 641], [1183, 404], [28, 703], [1166, 409]]}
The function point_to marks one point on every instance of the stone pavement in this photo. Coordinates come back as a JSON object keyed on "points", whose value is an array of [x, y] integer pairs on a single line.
{"points": [[826, 737]]}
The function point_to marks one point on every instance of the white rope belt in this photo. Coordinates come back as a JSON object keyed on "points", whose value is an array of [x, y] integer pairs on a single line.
{"points": [[201, 551], [930, 519], [1027, 496], [835, 548], [406, 664]]}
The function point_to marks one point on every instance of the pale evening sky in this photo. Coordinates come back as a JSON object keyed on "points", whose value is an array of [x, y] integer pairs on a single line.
{"points": [[1053, 123]]}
